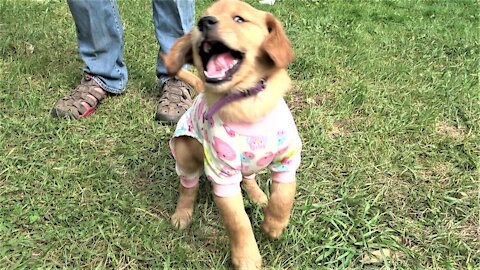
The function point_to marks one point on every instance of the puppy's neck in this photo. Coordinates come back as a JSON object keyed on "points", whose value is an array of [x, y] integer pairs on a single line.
{"points": [[253, 108]]}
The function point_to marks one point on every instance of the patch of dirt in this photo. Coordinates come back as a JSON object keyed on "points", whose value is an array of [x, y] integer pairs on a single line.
{"points": [[297, 100], [471, 230], [378, 256], [341, 128], [440, 170], [450, 130]]}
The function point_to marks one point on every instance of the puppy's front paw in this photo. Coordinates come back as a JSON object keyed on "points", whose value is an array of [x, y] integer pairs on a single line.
{"points": [[272, 229], [181, 219], [251, 261]]}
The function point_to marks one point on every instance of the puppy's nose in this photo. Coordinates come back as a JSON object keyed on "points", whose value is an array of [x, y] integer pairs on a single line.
{"points": [[207, 23]]}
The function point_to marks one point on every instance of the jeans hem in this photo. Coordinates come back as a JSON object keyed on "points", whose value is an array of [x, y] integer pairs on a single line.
{"points": [[107, 88]]}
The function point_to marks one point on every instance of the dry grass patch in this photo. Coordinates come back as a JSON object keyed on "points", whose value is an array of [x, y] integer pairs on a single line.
{"points": [[471, 230], [297, 100], [437, 170], [449, 130], [343, 127]]}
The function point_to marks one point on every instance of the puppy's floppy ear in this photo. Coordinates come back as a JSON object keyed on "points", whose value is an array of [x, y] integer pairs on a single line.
{"points": [[276, 45], [179, 55]]}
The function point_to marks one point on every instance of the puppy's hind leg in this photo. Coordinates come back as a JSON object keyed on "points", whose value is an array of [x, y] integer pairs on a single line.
{"points": [[278, 209], [189, 165], [254, 192]]}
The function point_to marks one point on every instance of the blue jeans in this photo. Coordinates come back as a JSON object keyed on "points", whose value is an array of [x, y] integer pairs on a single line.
{"points": [[100, 36]]}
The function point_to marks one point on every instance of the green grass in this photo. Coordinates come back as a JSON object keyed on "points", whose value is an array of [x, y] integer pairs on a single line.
{"points": [[387, 101]]}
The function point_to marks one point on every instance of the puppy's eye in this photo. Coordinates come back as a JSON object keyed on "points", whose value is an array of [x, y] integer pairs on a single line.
{"points": [[238, 19]]}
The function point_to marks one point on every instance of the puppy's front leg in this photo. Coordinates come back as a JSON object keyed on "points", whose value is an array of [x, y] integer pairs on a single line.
{"points": [[244, 249], [184, 210], [189, 162], [278, 209]]}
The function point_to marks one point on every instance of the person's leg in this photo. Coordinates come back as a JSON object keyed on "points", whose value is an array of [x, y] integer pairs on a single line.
{"points": [[100, 44], [172, 19]]}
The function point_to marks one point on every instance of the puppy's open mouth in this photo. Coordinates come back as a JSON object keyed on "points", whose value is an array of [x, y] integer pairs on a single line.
{"points": [[219, 61]]}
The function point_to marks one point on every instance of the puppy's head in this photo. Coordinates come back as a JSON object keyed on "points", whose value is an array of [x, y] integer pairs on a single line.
{"points": [[233, 46]]}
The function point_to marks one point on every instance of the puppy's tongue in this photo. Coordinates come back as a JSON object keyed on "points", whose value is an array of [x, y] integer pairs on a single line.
{"points": [[219, 64]]}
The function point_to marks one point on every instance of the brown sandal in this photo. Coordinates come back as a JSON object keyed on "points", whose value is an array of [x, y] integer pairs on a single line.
{"points": [[175, 101], [82, 102]]}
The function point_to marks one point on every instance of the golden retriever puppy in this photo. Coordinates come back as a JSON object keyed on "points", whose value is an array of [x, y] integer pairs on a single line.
{"points": [[238, 124]]}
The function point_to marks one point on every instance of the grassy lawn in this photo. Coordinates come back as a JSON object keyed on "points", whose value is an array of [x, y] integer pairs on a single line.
{"points": [[387, 100]]}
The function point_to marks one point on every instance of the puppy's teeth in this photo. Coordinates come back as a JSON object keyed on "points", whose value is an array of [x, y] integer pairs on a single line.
{"points": [[215, 76], [233, 63], [207, 47]]}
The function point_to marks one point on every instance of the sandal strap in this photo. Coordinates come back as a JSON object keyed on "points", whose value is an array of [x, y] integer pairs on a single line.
{"points": [[175, 100], [84, 97], [87, 91], [176, 93]]}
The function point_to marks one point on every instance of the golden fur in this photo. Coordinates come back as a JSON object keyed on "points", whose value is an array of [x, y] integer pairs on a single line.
{"points": [[267, 52]]}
